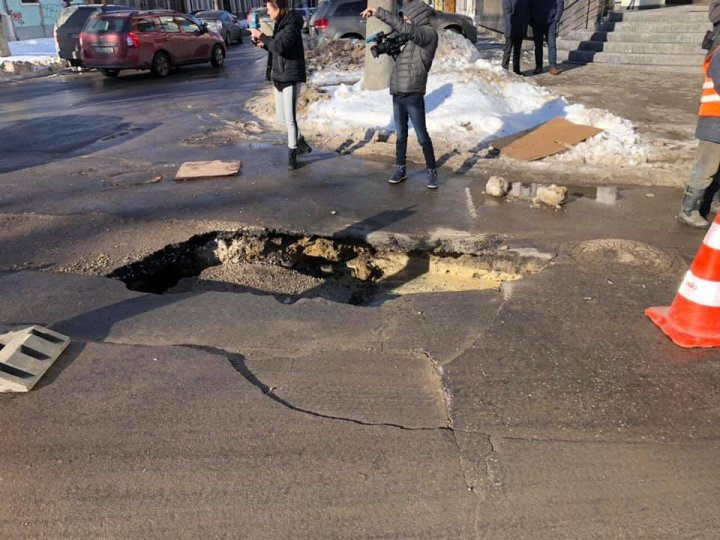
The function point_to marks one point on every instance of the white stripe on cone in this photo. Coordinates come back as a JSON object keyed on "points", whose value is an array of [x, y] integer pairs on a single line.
{"points": [[712, 238], [700, 291]]}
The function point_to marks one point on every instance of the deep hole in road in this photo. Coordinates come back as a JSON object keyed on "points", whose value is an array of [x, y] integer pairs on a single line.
{"points": [[293, 266]]}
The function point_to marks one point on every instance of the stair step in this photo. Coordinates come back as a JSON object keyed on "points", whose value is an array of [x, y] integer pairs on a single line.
{"points": [[683, 60], [632, 47], [634, 37], [651, 27], [659, 15]]}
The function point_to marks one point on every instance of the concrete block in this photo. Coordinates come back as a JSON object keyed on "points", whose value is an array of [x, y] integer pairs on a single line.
{"points": [[607, 195], [25, 356]]}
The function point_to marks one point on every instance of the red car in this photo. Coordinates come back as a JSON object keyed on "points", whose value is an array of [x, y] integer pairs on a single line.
{"points": [[154, 40]]}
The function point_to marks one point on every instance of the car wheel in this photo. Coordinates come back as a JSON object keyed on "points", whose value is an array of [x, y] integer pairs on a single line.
{"points": [[112, 73], [160, 64], [218, 56], [226, 39], [239, 39]]}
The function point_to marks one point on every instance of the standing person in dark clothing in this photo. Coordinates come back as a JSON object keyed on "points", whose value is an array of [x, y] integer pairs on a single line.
{"points": [[516, 16], [408, 82], [286, 69], [545, 16]]}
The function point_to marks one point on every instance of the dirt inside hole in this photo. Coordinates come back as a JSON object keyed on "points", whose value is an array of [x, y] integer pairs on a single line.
{"points": [[291, 266]]}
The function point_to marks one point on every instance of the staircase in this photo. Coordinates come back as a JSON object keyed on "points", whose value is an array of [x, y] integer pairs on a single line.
{"points": [[663, 39]]}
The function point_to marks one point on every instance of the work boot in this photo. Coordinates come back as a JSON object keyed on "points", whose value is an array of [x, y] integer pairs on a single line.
{"points": [[432, 180], [690, 211], [400, 175], [292, 159], [554, 71], [538, 70], [303, 147]]}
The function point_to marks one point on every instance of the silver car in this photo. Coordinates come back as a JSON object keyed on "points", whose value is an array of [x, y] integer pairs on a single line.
{"points": [[224, 23], [340, 19]]}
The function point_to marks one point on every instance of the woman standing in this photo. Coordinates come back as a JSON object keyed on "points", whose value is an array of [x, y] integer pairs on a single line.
{"points": [[286, 69]]}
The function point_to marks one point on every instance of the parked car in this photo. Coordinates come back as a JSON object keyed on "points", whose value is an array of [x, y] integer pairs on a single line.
{"points": [[306, 13], [340, 19], [154, 40], [70, 23], [266, 23], [224, 23]]}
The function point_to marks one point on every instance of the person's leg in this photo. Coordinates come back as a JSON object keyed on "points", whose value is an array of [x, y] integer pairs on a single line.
{"points": [[705, 167], [552, 45], [400, 116], [279, 112], [416, 111], [538, 38], [290, 97], [509, 42], [516, 52]]}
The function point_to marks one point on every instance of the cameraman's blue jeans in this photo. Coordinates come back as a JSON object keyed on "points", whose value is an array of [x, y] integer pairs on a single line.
{"points": [[412, 107]]}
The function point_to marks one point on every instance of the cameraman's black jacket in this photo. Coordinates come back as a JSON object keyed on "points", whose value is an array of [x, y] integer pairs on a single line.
{"points": [[410, 72], [286, 56]]}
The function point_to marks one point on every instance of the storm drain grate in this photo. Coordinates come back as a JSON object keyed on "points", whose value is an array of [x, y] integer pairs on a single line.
{"points": [[25, 356]]}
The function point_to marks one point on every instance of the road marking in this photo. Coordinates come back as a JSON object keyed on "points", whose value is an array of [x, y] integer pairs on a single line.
{"points": [[470, 204]]}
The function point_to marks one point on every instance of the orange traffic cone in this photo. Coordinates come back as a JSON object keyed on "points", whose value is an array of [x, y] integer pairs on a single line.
{"points": [[693, 320]]}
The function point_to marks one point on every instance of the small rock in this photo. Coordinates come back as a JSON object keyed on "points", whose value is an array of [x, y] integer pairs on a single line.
{"points": [[497, 186], [333, 212], [551, 195], [649, 195]]}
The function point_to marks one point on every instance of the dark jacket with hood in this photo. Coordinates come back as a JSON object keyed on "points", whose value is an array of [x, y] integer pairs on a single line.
{"points": [[516, 15], [286, 56], [410, 72]]}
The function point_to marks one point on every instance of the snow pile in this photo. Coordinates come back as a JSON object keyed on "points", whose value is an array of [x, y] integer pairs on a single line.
{"points": [[469, 102], [335, 61], [29, 55], [34, 51]]}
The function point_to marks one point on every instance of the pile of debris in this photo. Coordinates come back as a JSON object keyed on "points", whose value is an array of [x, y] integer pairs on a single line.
{"points": [[346, 55]]}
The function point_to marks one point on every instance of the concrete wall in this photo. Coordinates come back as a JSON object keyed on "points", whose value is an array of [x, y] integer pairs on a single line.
{"points": [[32, 19]]}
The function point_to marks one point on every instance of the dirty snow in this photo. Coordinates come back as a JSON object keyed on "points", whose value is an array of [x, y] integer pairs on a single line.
{"points": [[29, 56], [469, 102], [35, 51]]}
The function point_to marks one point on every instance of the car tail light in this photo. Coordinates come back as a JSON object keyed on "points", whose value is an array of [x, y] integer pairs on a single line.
{"points": [[322, 24], [132, 40]]}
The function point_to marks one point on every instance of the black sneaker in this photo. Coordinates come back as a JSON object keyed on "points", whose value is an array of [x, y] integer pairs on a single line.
{"points": [[303, 147], [400, 175], [292, 159], [432, 180]]}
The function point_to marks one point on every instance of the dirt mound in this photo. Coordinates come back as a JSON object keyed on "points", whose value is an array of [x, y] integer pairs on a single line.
{"points": [[336, 55]]}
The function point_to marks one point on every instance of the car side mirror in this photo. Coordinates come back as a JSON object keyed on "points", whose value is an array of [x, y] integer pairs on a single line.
{"points": [[204, 28]]}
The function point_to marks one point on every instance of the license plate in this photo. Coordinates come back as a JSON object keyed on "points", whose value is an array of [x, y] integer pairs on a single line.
{"points": [[103, 49]]}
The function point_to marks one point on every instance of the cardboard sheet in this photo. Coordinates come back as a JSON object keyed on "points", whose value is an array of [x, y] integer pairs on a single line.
{"points": [[547, 139], [194, 170]]}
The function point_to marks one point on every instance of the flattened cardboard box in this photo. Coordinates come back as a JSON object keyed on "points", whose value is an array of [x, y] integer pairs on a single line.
{"points": [[546, 140], [195, 170]]}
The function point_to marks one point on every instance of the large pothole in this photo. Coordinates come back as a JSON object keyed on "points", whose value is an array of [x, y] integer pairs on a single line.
{"points": [[290, 266]]}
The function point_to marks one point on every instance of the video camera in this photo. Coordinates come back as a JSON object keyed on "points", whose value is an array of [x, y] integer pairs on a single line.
{"points": [[390, 44]]}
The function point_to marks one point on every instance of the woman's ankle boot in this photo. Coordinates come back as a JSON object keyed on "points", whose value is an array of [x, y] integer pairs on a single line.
{"points": [[292, 159]]}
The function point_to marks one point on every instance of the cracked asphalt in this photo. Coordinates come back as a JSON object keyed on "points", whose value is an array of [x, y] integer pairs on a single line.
{"points": [[551, 408]]}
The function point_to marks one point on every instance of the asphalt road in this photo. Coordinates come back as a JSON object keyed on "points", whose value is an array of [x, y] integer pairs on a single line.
{"points": [[551, 408]]}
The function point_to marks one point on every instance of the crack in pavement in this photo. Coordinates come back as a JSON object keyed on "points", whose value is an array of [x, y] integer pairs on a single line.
{"points": [[237, 361]]}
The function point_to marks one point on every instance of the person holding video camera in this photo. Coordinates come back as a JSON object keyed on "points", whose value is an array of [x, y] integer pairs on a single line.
{"points": [[286, 69], [408, 82]]}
